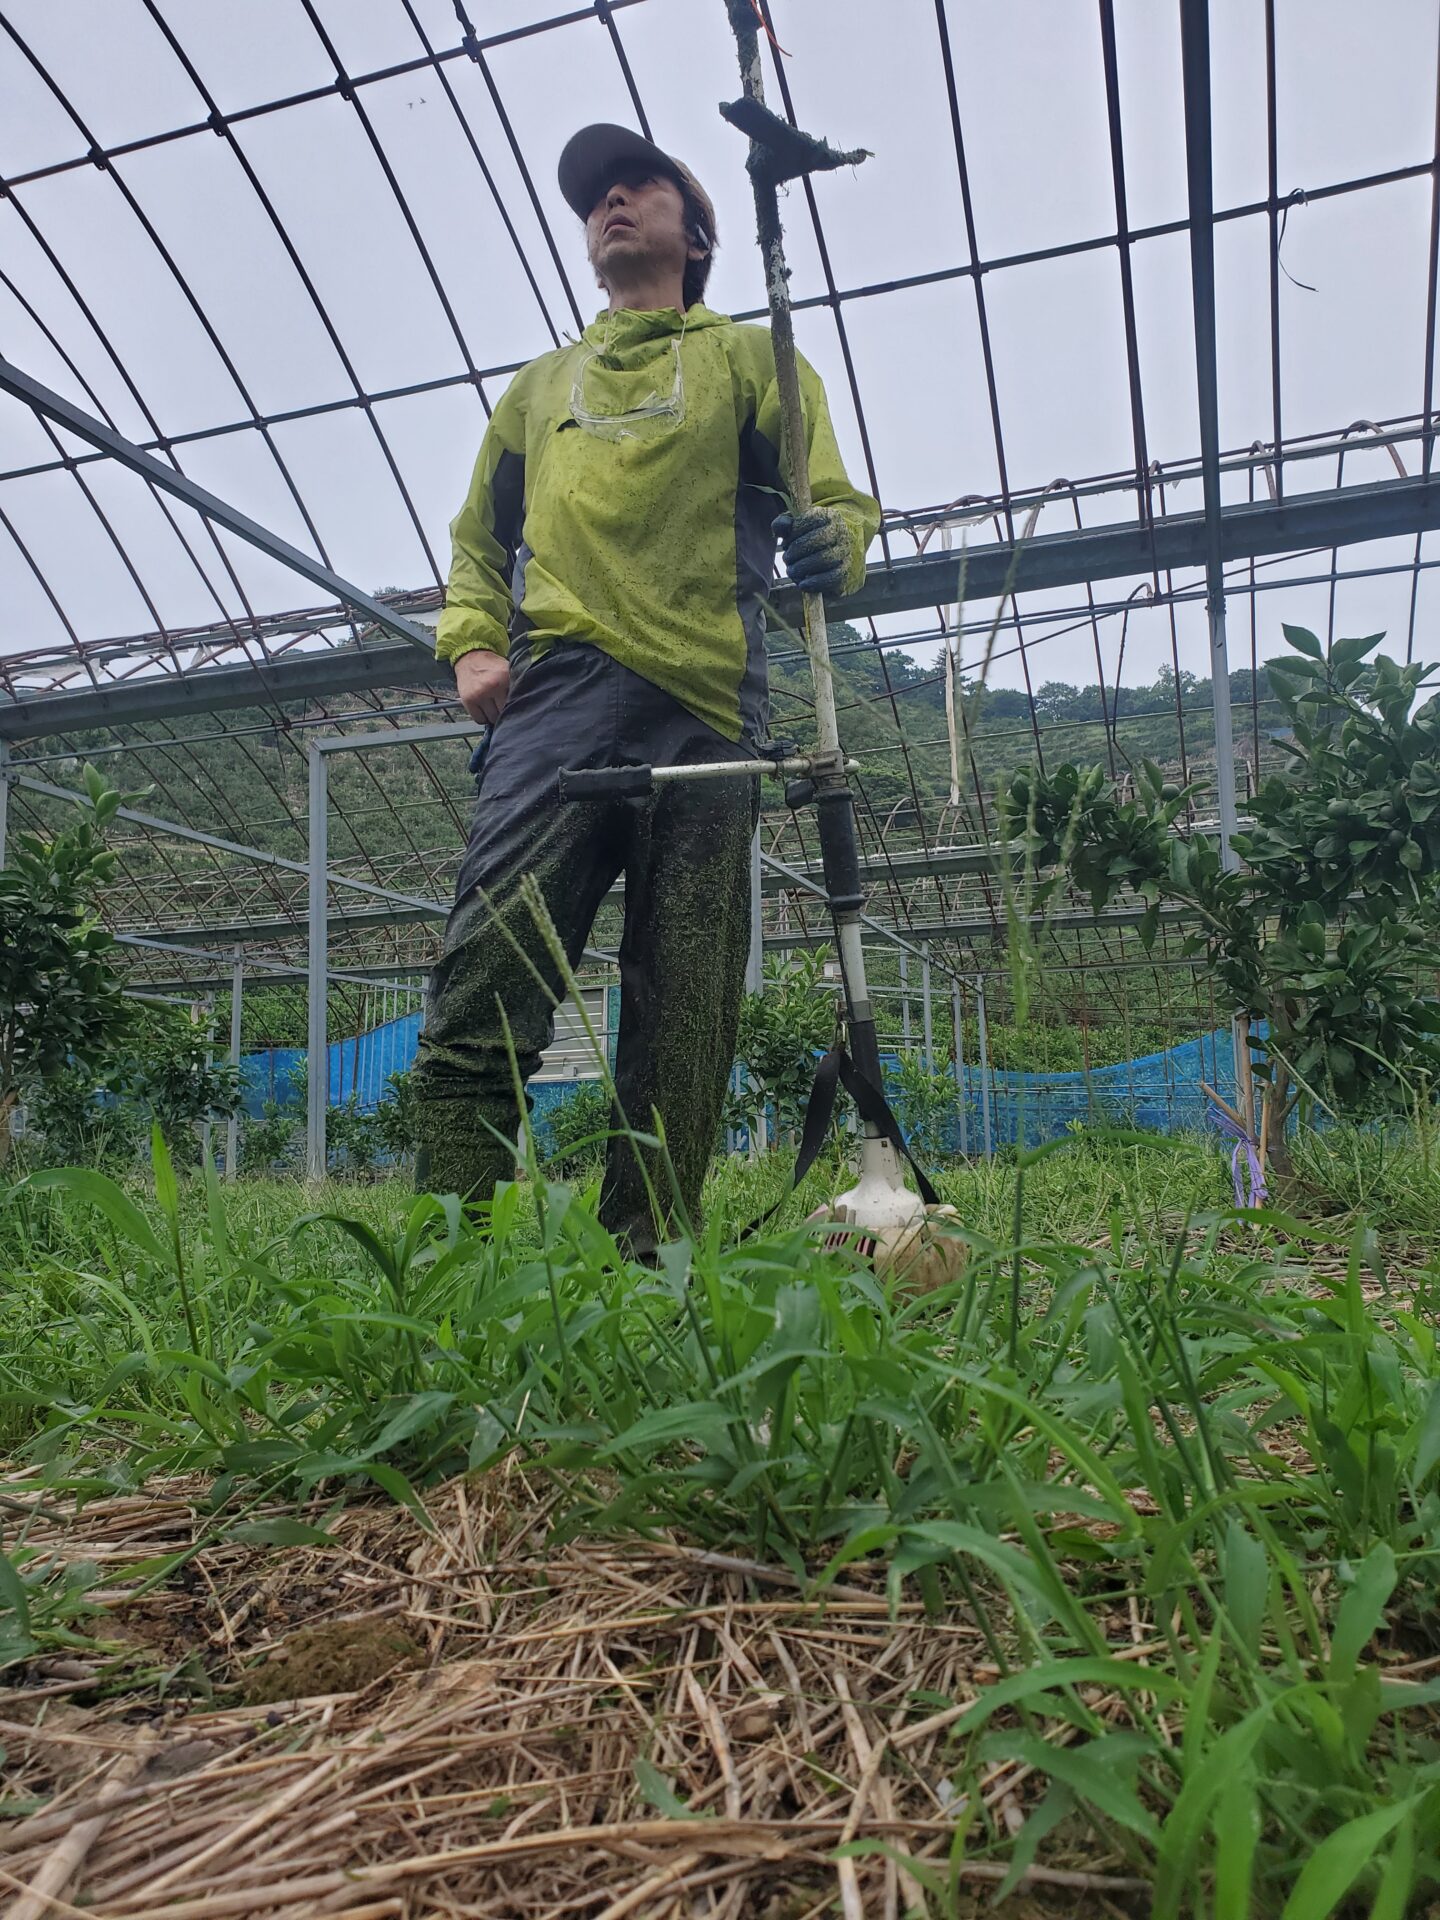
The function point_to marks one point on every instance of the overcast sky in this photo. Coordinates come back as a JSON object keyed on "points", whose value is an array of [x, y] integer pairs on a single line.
{"points": [[1356, 95]]}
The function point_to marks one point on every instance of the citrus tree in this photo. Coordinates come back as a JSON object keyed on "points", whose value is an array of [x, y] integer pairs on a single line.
{"points": [[1327, 936], [60, 998], [781, 1031]]}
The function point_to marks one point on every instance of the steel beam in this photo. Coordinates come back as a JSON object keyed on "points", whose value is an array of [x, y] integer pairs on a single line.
{"points": [[173, 830], [1339, 517], [987, 1132], [957, 1023], [232, 1125], [85, 426], [317, 1070], [1195, 55]]}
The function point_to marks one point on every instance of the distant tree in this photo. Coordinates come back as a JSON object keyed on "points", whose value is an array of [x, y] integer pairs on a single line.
{"points": [[781, 1030], [1329, 933], [60, 999]]}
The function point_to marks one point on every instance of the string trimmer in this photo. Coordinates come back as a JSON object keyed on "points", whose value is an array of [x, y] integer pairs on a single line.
{"points": [[892, 1221]]}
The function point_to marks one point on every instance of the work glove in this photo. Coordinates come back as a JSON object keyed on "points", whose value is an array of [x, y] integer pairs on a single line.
{"points": [[815, 547]]}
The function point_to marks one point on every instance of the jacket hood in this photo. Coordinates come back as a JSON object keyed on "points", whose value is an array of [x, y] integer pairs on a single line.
{"points": [[628, 327]]}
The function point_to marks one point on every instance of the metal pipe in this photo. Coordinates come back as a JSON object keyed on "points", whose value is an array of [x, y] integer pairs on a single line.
{"points": [[86, 427], [955, 1015], [1195, 54], [1195, 60], [5, 778], [755, 965], [232, 1125], [317, 1078], [928, 1013], [172, 828], [987, 1132], [207, 1130], [796, 767], [755, 981], [905, 1000]]}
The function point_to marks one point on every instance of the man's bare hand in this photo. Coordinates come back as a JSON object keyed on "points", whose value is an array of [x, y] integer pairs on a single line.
{"points": [[483, 681]]}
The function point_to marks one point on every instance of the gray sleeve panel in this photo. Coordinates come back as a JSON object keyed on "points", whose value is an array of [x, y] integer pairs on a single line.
{"points": [[508, 494]]}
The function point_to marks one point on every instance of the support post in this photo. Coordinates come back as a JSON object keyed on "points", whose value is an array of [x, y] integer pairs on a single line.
{"points": [[1195, 62], [207, 1130], [927, 1012], [957, 1018], [232, 1125], [4, 795], [317, 1077], [755, 981], [987, 1131], [905, 1000], [755, 965]]}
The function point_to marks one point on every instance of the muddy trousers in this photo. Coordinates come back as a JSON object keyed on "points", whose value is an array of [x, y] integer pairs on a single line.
{"points": [[684, 853]]}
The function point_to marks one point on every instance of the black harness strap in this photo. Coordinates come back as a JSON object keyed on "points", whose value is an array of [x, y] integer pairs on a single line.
{"points": [[838, 1070]]}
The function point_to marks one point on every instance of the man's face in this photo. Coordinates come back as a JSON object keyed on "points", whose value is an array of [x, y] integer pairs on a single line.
{"points": [[638, 221]]}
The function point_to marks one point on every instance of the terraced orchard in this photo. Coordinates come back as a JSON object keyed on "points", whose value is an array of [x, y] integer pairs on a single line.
{"points": [[394, 1560]]}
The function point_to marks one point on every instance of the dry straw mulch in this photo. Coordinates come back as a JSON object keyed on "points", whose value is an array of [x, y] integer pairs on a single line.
{"points": [[472, 1720]]}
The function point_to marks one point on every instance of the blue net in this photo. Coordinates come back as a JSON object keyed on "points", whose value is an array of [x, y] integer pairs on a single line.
{"points": [[1157, 1093]]}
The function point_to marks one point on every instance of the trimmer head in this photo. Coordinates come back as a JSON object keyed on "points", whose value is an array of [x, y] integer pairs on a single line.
{"points": [[905, 1241]]}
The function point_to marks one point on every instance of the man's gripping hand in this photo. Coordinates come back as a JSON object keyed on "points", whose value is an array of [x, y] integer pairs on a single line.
{"points": [[482, 679], [815, 547]]}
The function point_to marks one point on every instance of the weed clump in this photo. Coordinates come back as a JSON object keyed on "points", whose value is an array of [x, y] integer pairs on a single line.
{"points": [[342, 1656]]}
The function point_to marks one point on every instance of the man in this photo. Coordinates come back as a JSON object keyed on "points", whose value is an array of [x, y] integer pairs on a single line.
{"points": [[604, 608]]}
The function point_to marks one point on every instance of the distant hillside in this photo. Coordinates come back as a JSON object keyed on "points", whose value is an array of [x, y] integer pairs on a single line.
{"points": [[403, 813]]}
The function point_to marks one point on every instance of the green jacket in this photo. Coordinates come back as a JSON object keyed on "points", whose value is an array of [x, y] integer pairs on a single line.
{"points": [[655, 546]]}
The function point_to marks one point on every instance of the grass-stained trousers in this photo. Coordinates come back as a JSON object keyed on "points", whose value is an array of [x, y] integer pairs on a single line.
{"points": [[684, 853]]}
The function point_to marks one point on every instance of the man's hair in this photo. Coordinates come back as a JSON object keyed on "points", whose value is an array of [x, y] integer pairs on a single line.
{"points": [[700, 229]]}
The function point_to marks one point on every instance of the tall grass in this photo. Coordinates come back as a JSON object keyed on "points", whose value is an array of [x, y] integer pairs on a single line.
{"points": [[1116, 1423]]}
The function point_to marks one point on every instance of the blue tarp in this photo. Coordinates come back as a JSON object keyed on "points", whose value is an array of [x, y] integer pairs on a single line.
{"points": [[1159, 1092]]}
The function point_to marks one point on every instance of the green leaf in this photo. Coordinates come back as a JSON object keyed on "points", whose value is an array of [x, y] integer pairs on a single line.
{"points": [[1051, 1674], [1338, 1861], [1392, 1897], [364, 1237], [167, 1190], [660, 1794], [390, 1480], [1303, 641], [13, 1596], [1362, 1610], [1427, 1445], [687, 1422], [1090, 1772], [1346, 653], [420, 1411], [279, 1532], [1209, 1771], [1237, 1834], [1247, 1582], [98, 1190]]}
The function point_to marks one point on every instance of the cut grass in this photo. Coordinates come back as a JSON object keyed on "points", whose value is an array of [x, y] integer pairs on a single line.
{"points": [[1134, 1418]]}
